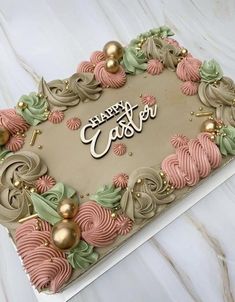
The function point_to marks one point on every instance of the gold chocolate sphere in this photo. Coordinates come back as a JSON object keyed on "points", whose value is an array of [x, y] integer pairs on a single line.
{"points": [[65, 235], [112, 65], [4, 136], [113, 49], [209, 125], [67, 208]]}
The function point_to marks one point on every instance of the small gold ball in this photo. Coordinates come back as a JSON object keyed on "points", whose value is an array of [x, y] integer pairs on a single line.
{"points": [[4, 136], [138, 194], [65, 235], [209, 126], [32, 190], [192, 112], [67, 208], [212, 137], [112, 65], [200, 108], [17, 184], [114, 215], [179, 59], [113, 49], [164, 182], [40, 147], [184, 51], [130, 153], [38, 131], [46, 243], [139, 181], [22, 105], [162, 174]]}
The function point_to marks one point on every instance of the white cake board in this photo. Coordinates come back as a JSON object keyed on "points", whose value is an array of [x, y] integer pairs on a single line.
{"points": [[143, 235]]}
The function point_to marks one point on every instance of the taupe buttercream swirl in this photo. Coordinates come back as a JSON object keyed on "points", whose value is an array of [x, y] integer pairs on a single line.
{"points": [[219, 95], [146, 192], [15, 202], [85, 86], [152, 48], [170, 55], [69, 92]]}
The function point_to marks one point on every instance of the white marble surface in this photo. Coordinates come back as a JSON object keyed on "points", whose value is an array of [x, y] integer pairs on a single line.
{"points": [[192, 259]]}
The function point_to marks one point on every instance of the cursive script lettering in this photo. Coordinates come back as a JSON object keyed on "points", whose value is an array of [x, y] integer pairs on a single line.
{"points": [[126, 126]]}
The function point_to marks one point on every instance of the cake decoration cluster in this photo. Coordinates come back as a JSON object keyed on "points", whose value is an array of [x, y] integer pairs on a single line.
{"points": [[56, 233]]}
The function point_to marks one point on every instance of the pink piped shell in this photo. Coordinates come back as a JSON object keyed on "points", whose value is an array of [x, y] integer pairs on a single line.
{"points": [[85, 66], [149, 100], [97, 226], [179, 140], [189, 88], [44, 183], [56, 117], [121, 180], [15, 143], [74, 123], [119, 149], [124, 225], [188, 69], [155, 67], [107, 79], [13, 122], [191, 161], [97, 56]]}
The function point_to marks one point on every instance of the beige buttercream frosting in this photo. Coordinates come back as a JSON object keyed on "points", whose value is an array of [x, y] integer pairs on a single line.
{"points": [[219, 95], [25, 168], [69, 92]]}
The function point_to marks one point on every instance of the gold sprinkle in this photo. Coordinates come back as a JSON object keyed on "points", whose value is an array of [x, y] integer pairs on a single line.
{"points": [[22, 105], [209, 113], [172, 188], [164, 182], [200, 108], [139, 181], [162, 174], [130, 153], [192, 112], [138, 194], [40, 147], [190, 119], [23, 135], [28, 218], [32, 190], [40, 95], [168, 189], [26, 187], [38, 131], [46, 243]]}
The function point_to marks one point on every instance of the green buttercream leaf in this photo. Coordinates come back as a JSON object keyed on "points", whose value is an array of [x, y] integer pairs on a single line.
{"points": [[82, 256], [4, 153], [35, 108], [134, 61], [226, 140], [211, 71], [45, 205], [160, 32], [108, 197]]}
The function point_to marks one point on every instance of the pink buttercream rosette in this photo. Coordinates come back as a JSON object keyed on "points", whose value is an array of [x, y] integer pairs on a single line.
{"points": [[119, 149], [107, 79], [47, 267], [13, 122], [188, 69], [194, 159], [89, 66], [98, 228]]}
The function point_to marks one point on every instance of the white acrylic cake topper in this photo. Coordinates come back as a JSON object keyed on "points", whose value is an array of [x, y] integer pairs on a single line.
{"points": [[126, 126]]}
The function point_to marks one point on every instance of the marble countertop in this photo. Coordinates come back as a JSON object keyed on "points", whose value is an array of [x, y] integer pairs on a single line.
{"points": [[193, 258]]}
